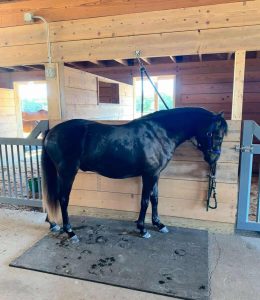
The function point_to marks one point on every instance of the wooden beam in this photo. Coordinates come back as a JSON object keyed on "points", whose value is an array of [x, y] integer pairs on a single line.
{"points": [[221, 16], [122, 61], [12, 13], [238, 85], [55, 93], [173, 59]]}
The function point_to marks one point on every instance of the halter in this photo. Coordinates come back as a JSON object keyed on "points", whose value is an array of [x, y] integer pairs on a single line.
{"points": [[210, 144]]}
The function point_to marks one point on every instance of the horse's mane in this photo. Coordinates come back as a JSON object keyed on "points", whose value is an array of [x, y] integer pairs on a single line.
{"points": [[176, 112]]}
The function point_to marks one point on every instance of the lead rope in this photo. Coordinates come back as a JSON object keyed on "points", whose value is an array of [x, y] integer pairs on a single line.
{"points": [[212, 188], [142, 72]]}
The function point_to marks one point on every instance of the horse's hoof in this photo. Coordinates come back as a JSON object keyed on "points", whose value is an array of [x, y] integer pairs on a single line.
{"points": [[164, 230], [55, 228], [146, 235], [74, 239]]}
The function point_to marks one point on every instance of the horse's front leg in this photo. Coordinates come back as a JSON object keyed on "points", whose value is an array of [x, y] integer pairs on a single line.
{"points": [[155, 217], [148, 184]]}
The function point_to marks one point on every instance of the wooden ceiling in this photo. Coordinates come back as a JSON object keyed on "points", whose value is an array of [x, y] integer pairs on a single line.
{"points": [[12, 12], [99, 65]]}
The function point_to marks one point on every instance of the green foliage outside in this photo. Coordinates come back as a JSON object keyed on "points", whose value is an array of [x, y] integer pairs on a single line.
{"points": [[31, 105], [149, 103]]}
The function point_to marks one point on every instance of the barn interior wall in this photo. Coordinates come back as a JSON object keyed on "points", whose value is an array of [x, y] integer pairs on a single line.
{"points": [[213, 89], [207, 84], [81, 98], [8, 113]]}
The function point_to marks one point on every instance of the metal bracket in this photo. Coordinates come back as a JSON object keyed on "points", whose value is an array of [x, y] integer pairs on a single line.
{"points": [[248, 149]]}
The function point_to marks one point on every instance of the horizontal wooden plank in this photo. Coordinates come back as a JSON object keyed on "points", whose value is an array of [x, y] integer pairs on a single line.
{"points": [[248, 107], [175, 43], [79, 79], [226, 172], [167, 206], [181, 189], [7, 111], [214, 107], [223, 77], [227, 15], [78, 96], [190, 99], [250, 87], [226, 212], [234, 131], [12, 13], [23, 55], [86, 180], [188, 152]]}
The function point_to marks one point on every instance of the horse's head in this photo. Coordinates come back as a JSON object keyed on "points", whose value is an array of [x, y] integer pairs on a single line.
{"points": [[211, 136]]}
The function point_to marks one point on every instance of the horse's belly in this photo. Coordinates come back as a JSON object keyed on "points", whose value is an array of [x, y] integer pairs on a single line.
{"points": [[113, 169]]}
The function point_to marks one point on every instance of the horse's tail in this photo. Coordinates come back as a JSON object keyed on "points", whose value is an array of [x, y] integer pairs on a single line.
{"points": [[50, 185]]}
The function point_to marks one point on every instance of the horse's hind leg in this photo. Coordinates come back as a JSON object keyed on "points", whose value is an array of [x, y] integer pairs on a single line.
{"points": [[53, 226], [155, 217], [66, 178], [148, 183]]}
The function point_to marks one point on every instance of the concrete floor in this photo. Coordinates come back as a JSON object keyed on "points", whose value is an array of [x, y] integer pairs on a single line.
{"points": [[234, 267]]}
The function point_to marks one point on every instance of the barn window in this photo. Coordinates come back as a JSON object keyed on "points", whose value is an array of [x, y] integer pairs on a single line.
{"points": [[31, 98], [108, 92], [166, 88]]}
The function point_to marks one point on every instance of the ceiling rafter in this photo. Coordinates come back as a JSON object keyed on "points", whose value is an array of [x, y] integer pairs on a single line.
{"points": [[173, 59], [97, 62], [122, 61], [78, 65], [147, 60], [34, 67]]}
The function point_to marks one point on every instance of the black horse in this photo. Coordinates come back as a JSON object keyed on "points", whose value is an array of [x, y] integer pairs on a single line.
{"points": [[142, 147]]}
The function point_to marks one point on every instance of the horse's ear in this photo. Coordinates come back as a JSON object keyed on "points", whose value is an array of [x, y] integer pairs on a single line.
{"points": [[221, 114]]}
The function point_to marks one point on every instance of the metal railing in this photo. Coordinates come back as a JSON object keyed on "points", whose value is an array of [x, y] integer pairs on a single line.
{"points": [[20, 167]]}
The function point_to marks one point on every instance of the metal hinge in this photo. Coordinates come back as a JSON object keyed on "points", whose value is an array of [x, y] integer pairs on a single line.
{"points": [[248, 149]]}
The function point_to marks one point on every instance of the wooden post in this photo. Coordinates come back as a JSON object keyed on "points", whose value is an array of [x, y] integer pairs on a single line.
{"points": [[238, 85], [55, 93]]}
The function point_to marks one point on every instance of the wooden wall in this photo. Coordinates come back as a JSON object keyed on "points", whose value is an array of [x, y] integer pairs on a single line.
{"points": [[81, 98], [8, 113], [182, 187], [157, 29], [207, 84], [211, 87]]}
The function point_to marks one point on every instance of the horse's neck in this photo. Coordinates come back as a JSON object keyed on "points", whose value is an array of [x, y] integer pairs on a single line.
{"points": [[181, 138], [185, 129]]}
